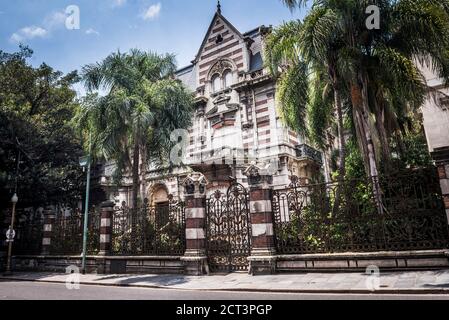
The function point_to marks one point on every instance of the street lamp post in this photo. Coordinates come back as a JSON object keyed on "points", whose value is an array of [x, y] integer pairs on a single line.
{"points": [[10, 239], [86, 162]]}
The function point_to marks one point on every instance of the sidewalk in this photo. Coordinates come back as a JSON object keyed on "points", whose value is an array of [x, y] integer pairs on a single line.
{"points": [[395, 282]]}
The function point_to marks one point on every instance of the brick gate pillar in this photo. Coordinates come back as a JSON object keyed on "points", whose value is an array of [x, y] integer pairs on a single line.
{"points": [[106, 213], [195, 259], [263, 251], [49, 221], [441, 157]]}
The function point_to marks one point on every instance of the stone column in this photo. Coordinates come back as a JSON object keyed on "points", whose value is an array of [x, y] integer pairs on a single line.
{"points": [[263, 251], [107, 211], [195, 259], [49, 220]]}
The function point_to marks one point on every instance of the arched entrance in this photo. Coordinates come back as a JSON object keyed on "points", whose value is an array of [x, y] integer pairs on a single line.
{"points": [[159, 195], [160, 200]]}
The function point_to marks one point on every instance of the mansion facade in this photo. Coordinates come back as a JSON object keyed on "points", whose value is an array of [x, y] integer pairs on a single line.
{"points": [[235, 121]]}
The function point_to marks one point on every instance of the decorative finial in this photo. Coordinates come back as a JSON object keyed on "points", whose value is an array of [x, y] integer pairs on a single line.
{"points": [[219, 7]]}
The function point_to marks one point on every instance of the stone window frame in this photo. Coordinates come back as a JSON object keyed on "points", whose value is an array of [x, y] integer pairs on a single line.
{"points": [[214, 89], [220, 69], [227, 72]]}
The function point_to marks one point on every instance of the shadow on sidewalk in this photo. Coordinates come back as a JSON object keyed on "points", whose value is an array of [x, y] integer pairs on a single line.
{"points": [[443, 285], [159, 280]]}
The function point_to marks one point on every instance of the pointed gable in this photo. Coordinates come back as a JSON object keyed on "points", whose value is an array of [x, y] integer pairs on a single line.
{"points": [[222, 41]]}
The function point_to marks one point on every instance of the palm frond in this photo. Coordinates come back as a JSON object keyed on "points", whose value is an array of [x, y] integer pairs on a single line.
{"points": [[282, 47], [293, 97]]}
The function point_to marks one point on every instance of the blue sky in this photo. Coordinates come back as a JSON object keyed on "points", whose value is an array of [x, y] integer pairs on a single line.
{"points": [[175, 26]]}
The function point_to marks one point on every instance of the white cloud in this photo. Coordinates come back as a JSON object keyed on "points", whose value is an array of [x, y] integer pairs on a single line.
{"points": [[55, 20], [51, 22], [29, 33], [15, 37], [92, 31], [118, 3], [33, 32], [152, 12]]}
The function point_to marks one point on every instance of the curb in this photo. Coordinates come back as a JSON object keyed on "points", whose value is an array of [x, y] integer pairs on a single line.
{"points": [[292, 291]]}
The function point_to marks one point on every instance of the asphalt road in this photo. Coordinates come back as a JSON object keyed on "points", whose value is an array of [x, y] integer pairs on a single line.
{"points": [[12, 290]]}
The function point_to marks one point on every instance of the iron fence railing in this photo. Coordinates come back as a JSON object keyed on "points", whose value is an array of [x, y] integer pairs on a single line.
{"points": [[67, 233], [149, 230], [29, 234], [398, 212], [401, 212]]}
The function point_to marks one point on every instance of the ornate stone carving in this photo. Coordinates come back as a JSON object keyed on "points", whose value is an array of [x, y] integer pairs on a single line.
{"points": [[257, 175], [212, 112], [195, 183], [222, 99], [220, 66]]}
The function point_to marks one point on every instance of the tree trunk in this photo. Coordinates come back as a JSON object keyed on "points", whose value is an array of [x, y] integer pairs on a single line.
{"points": [[359, 100], [384, 143], [135, 194], [135, 175], [367, 129], [360, 139], [143, 172], [341, 136], [359, 97], [342, 152], [358, 123]]}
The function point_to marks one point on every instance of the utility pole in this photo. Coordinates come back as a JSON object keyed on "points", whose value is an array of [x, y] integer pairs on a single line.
{"points": [[10, 234], [86, 161]]}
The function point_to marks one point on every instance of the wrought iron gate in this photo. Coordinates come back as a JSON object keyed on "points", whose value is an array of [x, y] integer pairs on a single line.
{"points": [[228, 230]]}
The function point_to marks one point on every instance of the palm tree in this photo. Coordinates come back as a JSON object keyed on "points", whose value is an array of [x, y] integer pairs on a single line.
{"points": [[304, 57], [132, 122], [377, 67]]}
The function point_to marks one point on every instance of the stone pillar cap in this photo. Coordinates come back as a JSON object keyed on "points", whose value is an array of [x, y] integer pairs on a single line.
{"points": [[195, 184], [257, 169], [257, 174], [108, 204], [48, 211], [195, 178]]}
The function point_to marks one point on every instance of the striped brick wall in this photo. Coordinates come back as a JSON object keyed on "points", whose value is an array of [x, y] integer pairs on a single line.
{"points": [[49, 219], [293, 137], [106, 215], [248, 135], [195, 260], [195, 223], [265, 118], [231, 48], [261, 218], [263, 250], [194, 144]]}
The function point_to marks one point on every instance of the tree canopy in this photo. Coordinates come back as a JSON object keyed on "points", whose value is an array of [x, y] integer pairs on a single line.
{"points": [[131, 124], [373, 74], [36, 107]]}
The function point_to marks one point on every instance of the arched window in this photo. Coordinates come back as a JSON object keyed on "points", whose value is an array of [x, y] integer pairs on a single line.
{"points": [[228, 80], [216, 83], [159, 195]]}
